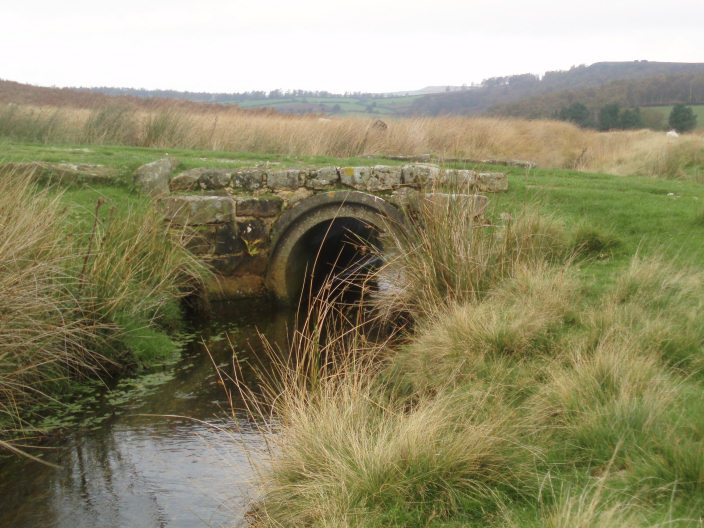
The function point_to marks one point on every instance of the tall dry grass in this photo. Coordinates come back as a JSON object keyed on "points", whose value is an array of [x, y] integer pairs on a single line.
{"points": [[45, 334], [550, 144], [78, 303], [517, 400]]}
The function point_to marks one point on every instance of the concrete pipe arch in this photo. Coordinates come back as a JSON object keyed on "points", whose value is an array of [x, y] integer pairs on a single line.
{"points": [[321, 227]]}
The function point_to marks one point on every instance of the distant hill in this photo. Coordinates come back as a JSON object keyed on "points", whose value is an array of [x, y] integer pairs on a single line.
{"points": [[498, 93], [27, 94], [658, 90]]}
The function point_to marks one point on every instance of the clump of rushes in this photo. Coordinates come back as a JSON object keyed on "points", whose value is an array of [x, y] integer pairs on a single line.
{"points": [[447, 255], [519, 399], [73, 304], [45, 333]]}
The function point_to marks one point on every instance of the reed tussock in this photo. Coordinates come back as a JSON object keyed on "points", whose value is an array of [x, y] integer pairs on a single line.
{"points": [[516, 399], [74, 302], [550, 144]]}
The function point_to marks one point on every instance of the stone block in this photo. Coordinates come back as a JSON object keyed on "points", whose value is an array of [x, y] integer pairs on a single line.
{"points": [[292, 197], [253, 231], [322, 178], [226, 264], [384, 178], [459, 178], [285, 179], [492, 182], [248, 179], [258, 206], [419, 173], [153, 178], [355, 177], [198, 210], [237, 287], [227, 240], [187, 180], [214, 179], [200, 240]]}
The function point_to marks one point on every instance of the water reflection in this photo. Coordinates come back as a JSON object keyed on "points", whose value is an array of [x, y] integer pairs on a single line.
{"points": [[141, 470]]}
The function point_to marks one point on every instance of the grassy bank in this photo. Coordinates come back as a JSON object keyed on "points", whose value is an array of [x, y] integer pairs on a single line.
{"points": [[552, 377], [550, 144], [89, 283]]}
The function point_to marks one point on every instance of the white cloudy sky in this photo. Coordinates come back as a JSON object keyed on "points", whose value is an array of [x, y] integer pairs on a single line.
{"points": [[335, 45]]}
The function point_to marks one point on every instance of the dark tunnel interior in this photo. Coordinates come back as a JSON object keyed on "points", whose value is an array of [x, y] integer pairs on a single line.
{"points": [[337, 254]]}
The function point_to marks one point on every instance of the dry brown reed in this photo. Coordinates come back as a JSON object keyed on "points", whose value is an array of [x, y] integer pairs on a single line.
{"points": [[550, 144], [44, 332]]}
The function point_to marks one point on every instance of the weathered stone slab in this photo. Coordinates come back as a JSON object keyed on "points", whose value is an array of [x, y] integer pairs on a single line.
{"points": [[201, 240], [227, 241], [153, 178], [248, 179], [285, 179], [355, 177], [187, 180], [419, 173], [464, 179], [241, 286], [254, 232], [322, 178], [198, 210], [384, 178], [64, 173], [258, 206], [492, 182], [214, 179]]}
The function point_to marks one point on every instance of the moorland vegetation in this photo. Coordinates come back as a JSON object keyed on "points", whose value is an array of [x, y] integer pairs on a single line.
{"points": [[548, 369]]}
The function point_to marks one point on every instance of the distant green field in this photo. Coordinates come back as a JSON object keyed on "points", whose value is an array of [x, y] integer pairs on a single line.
{"points": [[341, 106], [698, 111]]}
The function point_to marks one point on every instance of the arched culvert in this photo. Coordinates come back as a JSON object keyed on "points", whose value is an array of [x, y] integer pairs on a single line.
{"points": [[326, 234]]}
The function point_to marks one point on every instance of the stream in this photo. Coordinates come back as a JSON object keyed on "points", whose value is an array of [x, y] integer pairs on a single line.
{"points": [[161, 450]]}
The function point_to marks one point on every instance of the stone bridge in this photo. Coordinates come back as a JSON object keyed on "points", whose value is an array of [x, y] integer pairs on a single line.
{"points": [[267, 230]]}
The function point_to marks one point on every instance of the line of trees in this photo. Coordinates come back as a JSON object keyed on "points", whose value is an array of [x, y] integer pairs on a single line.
{"points": [[612, 117]]}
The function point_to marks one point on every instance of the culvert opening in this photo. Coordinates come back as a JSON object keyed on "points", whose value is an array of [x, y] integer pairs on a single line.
{"points": [[338, 255]]}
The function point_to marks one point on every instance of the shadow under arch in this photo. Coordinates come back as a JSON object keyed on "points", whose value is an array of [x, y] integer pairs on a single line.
{"points": [[324, 235]]}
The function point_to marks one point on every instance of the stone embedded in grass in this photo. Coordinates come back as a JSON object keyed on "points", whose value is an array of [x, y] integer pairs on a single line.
{"points": [[198, 210], [64, 173], [492, 182], [465, 179], [153, 178]]}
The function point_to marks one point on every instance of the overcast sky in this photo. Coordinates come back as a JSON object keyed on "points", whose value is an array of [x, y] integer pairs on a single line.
{"points": [[363, 45]]}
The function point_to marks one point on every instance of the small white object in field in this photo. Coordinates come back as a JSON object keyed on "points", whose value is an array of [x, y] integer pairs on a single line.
{"points": [[672, 133]]}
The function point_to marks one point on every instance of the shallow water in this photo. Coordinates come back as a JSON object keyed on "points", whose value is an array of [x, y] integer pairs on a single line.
{"points": [[159, 451]]}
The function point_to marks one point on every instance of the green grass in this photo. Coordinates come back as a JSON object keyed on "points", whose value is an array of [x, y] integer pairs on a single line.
{"points": [[552, 377], [666, 110]]}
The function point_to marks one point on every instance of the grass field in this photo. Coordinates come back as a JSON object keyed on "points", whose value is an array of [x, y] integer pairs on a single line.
{"points": [[376, 107], [666, 110], [553, 376], [554, 372], [550, 144]]}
